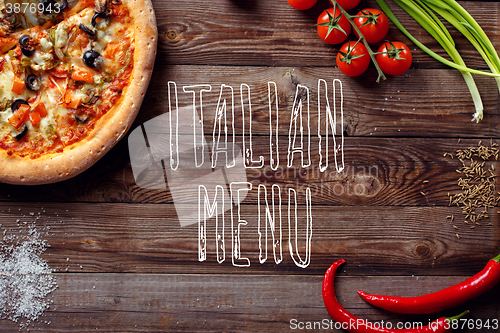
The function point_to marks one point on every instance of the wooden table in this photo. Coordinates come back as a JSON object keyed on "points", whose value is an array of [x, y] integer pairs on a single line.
{"points": [[124, 264]]}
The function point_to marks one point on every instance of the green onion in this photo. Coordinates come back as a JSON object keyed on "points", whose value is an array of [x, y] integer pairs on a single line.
{"points": [[457, 16], [423, 12]]}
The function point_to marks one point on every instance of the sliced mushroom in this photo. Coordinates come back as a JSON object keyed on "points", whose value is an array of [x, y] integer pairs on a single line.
{"points": [[93, 100], [14, 20], [101, 6], [93, 97], [6, 26], [11, 20]]}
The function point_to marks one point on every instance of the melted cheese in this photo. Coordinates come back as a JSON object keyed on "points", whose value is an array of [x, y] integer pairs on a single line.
{"points": [[30, 15], [41, 61], [46, 44], [6, 79], [68, 45]]}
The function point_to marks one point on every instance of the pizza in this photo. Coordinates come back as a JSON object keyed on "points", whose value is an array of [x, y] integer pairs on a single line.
{"points": [[73, 75]]}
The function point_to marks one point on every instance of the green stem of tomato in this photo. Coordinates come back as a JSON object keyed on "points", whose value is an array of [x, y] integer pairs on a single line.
{"points": [[381, 74]]}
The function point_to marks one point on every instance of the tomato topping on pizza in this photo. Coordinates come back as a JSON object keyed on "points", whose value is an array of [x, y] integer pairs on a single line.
{"points": [[64, 65]]}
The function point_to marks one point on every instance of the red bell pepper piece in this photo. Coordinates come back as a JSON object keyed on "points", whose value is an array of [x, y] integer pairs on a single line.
{"points": [[20, 116], [17, 85], [443, 299], [40, 109], [35, 118]]}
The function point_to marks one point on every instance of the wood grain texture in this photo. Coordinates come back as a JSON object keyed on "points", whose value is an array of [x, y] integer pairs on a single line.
{"points": [[378, 172], [124, 263], [421, 103], [268, 32], [142, 238], [241, 303]]}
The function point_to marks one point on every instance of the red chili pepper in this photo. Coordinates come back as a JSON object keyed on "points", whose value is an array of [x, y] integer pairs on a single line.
{"points": [[353, 324], [443, 299]]}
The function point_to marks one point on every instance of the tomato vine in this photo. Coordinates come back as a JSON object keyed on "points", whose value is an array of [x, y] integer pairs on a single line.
{"points": [[372, 54]]}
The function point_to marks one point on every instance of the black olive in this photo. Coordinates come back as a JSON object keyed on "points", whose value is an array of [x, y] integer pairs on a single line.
{"points": [[33, 82], [92, 59], [23, 40], [88, 31], [64, 5], [26, 47], [47, 6], [21, 134], [81, 119], [17, 103], [96, 16]]}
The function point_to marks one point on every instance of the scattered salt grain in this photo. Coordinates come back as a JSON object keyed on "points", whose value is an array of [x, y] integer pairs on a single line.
{"points": [[25, 278]]}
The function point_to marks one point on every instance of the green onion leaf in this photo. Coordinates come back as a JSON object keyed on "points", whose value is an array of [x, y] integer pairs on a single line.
{"points": [[424, 12]]}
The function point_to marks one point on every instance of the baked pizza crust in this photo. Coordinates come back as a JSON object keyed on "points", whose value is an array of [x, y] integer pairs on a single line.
{"points": [[79, 156]]}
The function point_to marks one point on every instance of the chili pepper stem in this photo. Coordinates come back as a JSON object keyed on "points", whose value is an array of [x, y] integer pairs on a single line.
{"points": [[466, 312], [381, 74], [497, 258], [354, 324]]}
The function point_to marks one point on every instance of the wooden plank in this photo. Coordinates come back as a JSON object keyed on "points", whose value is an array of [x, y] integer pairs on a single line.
{"points": [[124, 263], [384, 172], [129, 238], [380, 172], [275, 34], [429, 103], [249, 303]]}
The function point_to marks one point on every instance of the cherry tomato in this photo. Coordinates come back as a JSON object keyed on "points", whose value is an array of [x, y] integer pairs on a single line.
{"points": [[394, 58], [353, 58], [348, 4], [373, 24], [302, 4], [332, 26]]}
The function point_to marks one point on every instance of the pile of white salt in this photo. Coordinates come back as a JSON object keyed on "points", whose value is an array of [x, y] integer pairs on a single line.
{"points": [[25, 278]]}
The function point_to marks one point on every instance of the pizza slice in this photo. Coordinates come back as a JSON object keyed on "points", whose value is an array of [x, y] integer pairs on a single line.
{"points": [[19, 15]]}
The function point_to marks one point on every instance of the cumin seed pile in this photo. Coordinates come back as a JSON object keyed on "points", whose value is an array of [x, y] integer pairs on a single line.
{"points": [[477, 183]]}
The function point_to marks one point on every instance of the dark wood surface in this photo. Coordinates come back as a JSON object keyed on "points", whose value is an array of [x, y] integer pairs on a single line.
{"points": [[124, 264]]}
